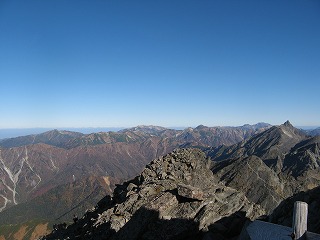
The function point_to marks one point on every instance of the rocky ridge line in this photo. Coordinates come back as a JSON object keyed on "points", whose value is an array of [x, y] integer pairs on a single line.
{"points": [[175, 197]]}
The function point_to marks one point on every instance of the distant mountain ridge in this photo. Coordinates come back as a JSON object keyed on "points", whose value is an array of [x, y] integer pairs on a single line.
{"points": [[255, 178], [6, 133], [269, 145], [314, 132], [51, 160], [54, 137], [209, 136], [252, 168], [32, 165], [279, 162]]}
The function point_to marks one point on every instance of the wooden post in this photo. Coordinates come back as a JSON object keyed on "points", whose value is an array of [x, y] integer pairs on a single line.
{"points": [[299, 224]]}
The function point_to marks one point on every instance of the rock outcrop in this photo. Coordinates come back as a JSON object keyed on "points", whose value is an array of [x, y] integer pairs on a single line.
{"points": [[175, 197], [255, 179], [271, 166], [303, 157], [270, 145]]}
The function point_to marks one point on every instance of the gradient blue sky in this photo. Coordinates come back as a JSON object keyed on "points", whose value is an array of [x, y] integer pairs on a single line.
{"points": [[118, 63]]}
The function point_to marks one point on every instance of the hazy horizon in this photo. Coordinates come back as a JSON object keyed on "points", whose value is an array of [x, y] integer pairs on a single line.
{"points": [[17, 132]]}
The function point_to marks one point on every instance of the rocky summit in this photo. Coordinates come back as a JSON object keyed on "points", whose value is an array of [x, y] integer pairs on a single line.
{"points": [[186, 194], [210, 194], [175, 197], [45, 178], [270, 166]]}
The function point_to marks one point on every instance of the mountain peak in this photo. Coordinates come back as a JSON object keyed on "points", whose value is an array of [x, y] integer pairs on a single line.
{"points": [[146, 128], [287, 124], [256, 126], [201, 127]]}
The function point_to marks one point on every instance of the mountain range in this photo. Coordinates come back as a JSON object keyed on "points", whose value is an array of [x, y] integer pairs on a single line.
{"points": [[250, 170], [211, 193], [51, 176], [313, 132]]}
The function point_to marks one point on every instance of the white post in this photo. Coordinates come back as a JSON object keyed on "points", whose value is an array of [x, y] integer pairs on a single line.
{"points": [[299, 224]]}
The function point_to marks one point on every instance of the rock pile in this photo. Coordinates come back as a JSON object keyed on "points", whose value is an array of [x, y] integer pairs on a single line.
{"points": [[175, 197]]}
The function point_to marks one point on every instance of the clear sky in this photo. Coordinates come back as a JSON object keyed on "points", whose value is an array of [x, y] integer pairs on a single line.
{"points": [[121, 63]]}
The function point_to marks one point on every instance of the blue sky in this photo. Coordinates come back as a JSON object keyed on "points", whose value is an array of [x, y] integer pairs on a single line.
{"points": [[107, 63]]}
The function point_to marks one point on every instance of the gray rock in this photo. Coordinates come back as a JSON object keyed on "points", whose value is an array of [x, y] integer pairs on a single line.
{"points": [[190, 192], [185, 206], [255, 179]]}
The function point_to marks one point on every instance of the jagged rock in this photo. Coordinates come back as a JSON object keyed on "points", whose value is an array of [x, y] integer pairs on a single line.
{"points": [[190, 192], [163, 203], [183, 206], [303, 157], [255, 179], [270, 166], [270, 145]]}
